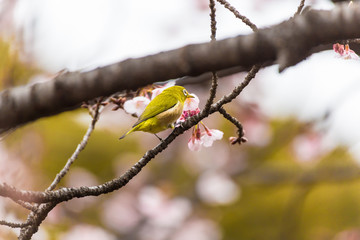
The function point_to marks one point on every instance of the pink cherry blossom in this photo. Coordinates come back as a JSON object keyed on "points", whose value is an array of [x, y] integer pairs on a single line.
{"points": [[217, 188], [191, 104], [186, 114], [210, 136], [194, 144], [203, 138], [120, 213], [191, 108], [308, 147], [345, 52], [136, 105], [195, 141], [162, 210], [162, 215], [89, 232]]}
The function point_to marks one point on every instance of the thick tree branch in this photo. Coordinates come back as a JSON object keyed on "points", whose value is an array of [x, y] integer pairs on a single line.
{"points": [[35, 219], [287, 43]]}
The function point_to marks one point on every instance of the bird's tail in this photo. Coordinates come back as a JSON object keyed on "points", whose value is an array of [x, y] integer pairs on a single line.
{"points": [[122, 136], [125, 134]]}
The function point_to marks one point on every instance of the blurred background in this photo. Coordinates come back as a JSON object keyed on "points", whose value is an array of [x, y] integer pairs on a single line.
{"points": [[297, 177]]}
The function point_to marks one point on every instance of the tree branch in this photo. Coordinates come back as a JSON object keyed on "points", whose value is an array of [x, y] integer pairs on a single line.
{"points": [[238, 15], [300, 7], [35, 219], [12, 224], [214, 78], [287, 43]]}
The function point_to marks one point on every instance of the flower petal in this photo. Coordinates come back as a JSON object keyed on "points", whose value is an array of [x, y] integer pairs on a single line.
{"points": [[345, 52], [195, 144], [191, 104], [136, 105], [209, 138]]}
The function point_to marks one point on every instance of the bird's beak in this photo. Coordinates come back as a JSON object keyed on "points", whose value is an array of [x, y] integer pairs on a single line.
{"points": [[190, 96]]}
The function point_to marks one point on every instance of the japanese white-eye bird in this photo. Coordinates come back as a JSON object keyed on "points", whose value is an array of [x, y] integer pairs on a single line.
{"points": [[162, 111]]}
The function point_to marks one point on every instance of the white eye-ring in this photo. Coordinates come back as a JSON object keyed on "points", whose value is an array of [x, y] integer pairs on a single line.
{"points": [[185, 92]]}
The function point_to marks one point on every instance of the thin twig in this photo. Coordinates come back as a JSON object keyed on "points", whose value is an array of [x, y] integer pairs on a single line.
{"points": [[214, 79], [212, 95], [300, 7], [231, 96], [79, 148], [13, 225], [26, 205], [238, 15], [212, 20], [240, 139], [231, 119], [356, 40]]}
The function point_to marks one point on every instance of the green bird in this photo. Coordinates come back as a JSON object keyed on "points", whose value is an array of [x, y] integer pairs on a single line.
{"points": [[162, 111]]}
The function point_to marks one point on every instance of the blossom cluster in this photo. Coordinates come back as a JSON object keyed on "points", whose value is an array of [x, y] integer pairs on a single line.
{"points": [[199, 138], [345, 52]]}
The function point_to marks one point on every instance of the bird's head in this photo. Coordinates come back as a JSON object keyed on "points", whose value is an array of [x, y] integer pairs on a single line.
{"points": [[180, 92]]}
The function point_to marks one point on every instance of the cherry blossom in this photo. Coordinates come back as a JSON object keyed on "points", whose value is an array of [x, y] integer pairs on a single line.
{"points": [[89, 232], [345, 52], [198, 138], [120, 213], [210, 136], [203, 138], [217, 188], [163, 215], [136, 105], [195, 141], [162, 210], [308, 147], [191, 104], [191, 108]]}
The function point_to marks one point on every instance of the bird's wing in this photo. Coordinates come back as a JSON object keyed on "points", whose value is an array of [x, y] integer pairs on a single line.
{"points": [[156, 107]]}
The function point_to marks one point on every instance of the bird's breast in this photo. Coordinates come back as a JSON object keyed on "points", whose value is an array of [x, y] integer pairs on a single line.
{"points": [[171, 115]]}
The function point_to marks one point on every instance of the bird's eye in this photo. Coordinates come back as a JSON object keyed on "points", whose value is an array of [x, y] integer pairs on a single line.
{"points": [[185, 92]]}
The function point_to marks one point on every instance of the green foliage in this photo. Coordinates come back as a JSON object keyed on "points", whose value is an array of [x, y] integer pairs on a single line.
{"points": [[13, 71]]}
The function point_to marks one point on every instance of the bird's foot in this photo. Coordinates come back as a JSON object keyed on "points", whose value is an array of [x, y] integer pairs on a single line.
{"points": [[159, 137]]}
